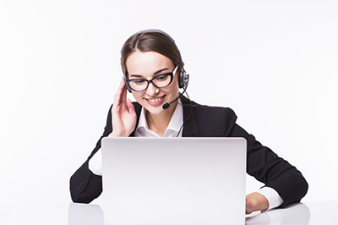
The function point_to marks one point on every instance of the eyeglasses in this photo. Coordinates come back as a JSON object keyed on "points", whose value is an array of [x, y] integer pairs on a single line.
{"points": [[160, 81]]}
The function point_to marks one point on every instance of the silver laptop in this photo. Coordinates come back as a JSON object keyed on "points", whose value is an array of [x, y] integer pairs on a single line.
{"points": [[174, 180]]}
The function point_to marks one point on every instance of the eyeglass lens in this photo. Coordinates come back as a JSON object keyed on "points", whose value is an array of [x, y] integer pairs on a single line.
{"points": [[158, 81]]}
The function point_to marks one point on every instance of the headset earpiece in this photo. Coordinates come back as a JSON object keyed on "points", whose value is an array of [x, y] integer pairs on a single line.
{"points": [[182, 79]]}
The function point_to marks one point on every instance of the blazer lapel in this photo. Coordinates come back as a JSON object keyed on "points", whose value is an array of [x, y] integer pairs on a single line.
{"points": [[190, 127]]}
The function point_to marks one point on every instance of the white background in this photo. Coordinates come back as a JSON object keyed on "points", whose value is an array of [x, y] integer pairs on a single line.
{"points": [[274, 63]]}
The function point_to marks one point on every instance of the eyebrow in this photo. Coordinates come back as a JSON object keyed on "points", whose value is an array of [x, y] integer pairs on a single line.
{"points": [[157, 72]]}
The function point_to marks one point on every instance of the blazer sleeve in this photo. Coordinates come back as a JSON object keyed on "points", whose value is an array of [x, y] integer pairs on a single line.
{"points": [[262, 163], [84, 185], [272, 170]]}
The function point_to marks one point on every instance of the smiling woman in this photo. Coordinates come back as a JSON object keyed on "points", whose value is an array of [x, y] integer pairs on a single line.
{"points": [[153, 73], [154, 65]]}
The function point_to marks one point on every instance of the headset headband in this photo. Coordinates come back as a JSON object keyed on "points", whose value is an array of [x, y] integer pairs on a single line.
{"points": [[168, 36]]}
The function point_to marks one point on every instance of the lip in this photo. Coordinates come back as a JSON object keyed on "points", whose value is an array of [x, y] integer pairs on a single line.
{"points": [[155, 103]]}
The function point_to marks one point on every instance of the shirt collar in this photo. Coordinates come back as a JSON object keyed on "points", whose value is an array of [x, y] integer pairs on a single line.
{"points": [[173, 128]]}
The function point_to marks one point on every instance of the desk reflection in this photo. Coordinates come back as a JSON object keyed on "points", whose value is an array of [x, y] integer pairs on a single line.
{"points": [[85, 214], [298, 214]]}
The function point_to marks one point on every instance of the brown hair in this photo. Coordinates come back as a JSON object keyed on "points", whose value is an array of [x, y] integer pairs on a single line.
{"points": [[149, 41]]}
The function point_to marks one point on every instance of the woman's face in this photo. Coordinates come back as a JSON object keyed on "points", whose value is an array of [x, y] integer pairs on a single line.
{"points": [[146, 65]]}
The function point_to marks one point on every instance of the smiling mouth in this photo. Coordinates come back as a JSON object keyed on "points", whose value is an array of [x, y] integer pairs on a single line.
{"points": [[155, 101]]}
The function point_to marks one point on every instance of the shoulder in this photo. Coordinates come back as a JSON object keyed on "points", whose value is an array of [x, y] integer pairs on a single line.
{"points": [[210, 112], [214, 111], [213, 120]]}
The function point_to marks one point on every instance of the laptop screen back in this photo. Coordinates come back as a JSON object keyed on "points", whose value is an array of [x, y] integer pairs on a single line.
{"points": [[174, 180]]}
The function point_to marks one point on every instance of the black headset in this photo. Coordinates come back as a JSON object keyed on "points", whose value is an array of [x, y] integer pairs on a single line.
{"points": [[183, 79]]}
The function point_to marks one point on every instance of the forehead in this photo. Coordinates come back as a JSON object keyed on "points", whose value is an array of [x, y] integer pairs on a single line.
{"points": [[146, 63]]}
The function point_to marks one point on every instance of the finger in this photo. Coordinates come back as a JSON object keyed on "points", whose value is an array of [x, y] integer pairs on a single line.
{"points": [[130, 106], [121, 85], [120, 96], [118, 92], [124, 96]]}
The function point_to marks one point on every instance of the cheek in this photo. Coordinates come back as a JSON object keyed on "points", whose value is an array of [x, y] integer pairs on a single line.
{"points": [[172, 88], [137, 95], [174, 85]]}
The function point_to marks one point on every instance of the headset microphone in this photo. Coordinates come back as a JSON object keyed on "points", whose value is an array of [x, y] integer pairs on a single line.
{"points": [[166, 105]]}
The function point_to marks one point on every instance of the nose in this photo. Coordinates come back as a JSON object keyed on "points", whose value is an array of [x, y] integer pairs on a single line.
{"points": [[152, 90]]}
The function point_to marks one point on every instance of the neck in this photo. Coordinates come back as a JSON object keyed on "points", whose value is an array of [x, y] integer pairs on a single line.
{"points": [[159, 123]]}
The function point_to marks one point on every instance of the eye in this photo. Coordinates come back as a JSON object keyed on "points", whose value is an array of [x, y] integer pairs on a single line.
{"points": [[140, 81], [162, 77]]}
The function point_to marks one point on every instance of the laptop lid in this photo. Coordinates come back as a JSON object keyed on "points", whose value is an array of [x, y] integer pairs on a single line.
{"points": [[174, 180]]}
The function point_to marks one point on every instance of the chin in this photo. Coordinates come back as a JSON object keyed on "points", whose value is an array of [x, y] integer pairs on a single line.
{"points": [[155, 110]]}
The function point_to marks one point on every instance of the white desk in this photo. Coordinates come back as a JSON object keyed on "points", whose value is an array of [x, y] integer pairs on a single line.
{"points": [[61, 211]]}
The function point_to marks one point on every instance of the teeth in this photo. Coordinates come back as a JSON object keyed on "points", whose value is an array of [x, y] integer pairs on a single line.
{"points": [[154, 99]]}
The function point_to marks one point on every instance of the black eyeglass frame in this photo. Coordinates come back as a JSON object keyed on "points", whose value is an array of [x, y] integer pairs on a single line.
{"points": [[171, 74]]}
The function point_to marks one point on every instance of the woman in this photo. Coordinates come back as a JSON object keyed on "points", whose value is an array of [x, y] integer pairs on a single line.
{"points": [[153, 73]]}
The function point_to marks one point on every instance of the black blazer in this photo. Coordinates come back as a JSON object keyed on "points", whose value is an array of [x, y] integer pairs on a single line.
{"points": [[205, 121]]}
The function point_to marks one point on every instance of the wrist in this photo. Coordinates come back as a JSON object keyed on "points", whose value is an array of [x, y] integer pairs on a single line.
{"points": [[116, 134]]}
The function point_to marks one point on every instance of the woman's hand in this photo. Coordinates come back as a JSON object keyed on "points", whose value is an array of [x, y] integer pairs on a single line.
{"points": [[123, 113], [256, 202]]}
